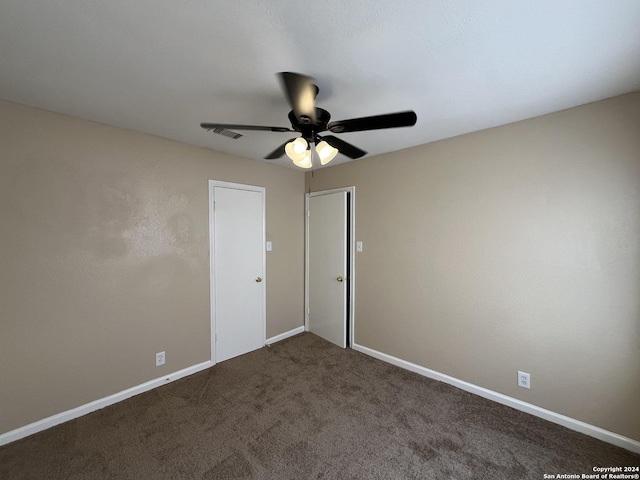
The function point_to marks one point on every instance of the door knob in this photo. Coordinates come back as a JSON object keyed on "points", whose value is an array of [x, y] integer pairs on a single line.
{"points": [[258, 279], [340, 278]]}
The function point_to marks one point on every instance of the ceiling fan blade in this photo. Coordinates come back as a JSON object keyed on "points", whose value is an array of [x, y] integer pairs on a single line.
{"points": [[230, 126], [301, 93], [343, 147], [278, 152], [376, 122]]}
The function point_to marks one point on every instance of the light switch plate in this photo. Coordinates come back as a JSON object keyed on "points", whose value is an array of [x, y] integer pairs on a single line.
{"points": [[358, 246], [269, 247]]}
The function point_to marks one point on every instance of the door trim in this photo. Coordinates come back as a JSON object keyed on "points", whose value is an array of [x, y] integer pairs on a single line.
{"points": [[352, 256], [212, 286]]}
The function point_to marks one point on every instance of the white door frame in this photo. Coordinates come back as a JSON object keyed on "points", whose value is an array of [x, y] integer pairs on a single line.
{"points": [[352, 252], [212, 286]]}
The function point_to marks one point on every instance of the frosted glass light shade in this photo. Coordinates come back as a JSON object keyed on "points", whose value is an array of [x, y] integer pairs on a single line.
{"points": [[304, 155], [305, 161], [296, 149], [326, 152]]}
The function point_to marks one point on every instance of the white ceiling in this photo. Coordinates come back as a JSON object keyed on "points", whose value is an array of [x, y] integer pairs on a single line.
{"points": [[162, 67]]}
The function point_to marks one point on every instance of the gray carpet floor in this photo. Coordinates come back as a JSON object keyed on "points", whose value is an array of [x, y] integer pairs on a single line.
{"points": [[304, 409]]}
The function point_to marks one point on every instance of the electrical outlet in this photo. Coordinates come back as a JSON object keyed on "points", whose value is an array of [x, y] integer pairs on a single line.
{"points": [[159, 359], [524, 379]]}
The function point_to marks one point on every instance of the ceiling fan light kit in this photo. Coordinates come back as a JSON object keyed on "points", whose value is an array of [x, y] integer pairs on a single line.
{"points": [[299, 152], [306, 161], [296, 149], [307, 119], [326, 152], [302, 153]]}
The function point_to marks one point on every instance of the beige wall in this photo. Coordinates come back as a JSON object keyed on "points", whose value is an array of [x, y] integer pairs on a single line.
{"points": [[512, 248], [104, 258], [515, 248]]}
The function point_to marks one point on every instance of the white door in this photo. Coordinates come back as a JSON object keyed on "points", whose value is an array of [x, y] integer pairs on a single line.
{"points": [[238, 263], [328, 267]]}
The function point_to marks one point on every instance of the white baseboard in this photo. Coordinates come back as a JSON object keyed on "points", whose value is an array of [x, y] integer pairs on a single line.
{"points": [[572, 423], [284, 335], [67, 415], [62, 417]]}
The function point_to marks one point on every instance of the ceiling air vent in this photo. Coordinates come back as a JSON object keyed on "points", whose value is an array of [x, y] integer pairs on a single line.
{"points": [[226, 133]]}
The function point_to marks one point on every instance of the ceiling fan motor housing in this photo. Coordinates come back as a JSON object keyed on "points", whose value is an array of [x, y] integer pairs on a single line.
{"points": [[310, 130]]}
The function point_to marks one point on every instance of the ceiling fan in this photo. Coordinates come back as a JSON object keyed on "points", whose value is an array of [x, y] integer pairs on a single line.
{"points": [[310, 121]]}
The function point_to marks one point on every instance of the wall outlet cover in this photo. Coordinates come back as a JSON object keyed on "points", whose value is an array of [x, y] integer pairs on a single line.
{"points": [[160, 359], [524, 379]]}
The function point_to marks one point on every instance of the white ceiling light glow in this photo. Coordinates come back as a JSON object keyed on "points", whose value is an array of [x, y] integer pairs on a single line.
{"points": [[302, 153], [306, 160], [295, 149], [299, 152], [326, 152]]}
